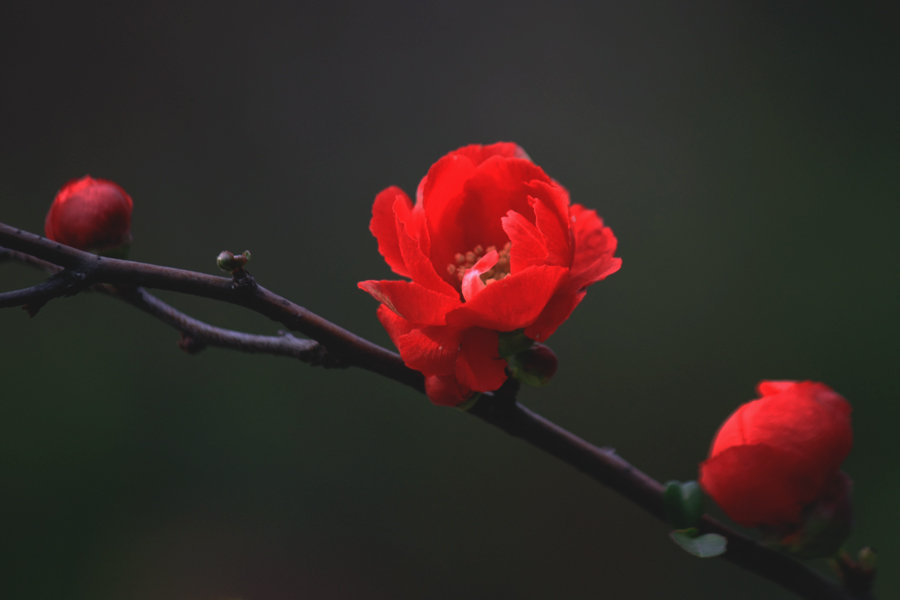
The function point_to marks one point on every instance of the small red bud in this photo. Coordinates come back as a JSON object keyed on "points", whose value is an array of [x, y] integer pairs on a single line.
{"points": [[534, 366], [90, 214]]}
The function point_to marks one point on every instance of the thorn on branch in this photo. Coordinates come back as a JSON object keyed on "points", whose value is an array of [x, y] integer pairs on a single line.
{"points": [[32, 308]]}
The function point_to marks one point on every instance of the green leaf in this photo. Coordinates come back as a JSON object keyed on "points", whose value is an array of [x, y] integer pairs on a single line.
{"points": [[683, 503], [707, 545]]}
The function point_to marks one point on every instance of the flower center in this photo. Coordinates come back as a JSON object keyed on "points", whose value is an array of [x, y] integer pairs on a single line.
{"points": [[462, 262]]}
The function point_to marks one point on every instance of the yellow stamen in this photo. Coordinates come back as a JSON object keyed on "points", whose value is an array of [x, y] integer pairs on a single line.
{"points": [[462, 262]]}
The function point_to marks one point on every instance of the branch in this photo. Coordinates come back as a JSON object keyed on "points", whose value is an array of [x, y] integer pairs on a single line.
{"points": [[37, 295], [244, 291], [499, 409], [613, 471], [7, 254], [196, 334]]}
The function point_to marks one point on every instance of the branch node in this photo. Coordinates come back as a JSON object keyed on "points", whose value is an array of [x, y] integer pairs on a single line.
{"points": [[242, 280], [320, 357]]}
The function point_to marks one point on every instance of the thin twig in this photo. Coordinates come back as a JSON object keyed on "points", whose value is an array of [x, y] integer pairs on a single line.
{"points": [[196, 334], [499, 409], [38, 294], [27, 259]]}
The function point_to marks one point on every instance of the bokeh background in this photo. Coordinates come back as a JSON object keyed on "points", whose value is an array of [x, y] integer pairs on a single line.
{"points": [[746, 155]]}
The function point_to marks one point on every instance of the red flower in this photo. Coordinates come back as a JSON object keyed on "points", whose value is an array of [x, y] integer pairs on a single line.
{"points": [[90, 214], [776, 456], [491, 245]]}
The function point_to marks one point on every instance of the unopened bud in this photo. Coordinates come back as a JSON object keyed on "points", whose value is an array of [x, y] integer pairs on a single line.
{"points": [[90, 214], [533, 366], [231, 262]]}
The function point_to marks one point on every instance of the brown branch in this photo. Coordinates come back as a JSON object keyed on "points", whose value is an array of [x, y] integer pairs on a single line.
{"points": [[499, 409], [243, 291], [20, 257], [37, 295], [613, 471], [196, 334]]}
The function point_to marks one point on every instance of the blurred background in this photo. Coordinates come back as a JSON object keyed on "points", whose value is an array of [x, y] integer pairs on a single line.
{"points": [[745, 154]]}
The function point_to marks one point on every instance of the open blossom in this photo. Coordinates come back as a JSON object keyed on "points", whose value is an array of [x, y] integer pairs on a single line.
{"points": [[90, 214], [491, 245], [777, 456]]}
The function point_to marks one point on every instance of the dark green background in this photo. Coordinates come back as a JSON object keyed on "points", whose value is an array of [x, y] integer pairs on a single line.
{"points": [[745, 154]]}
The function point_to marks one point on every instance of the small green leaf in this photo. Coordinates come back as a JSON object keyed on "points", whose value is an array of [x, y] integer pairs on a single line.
{"points": [[707, 545], [683, 503]]}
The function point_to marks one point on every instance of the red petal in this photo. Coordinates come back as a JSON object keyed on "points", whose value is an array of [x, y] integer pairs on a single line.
{"points": [[465, 158], [550, 203], [758, 485], [429, 350], [410, 300], [440, 189], [590, 274], [472, 283], [497, 186], [384, 227], [414, 247], [527, 247], [554, 314], [479, 366], [511, 303], [439, 195], [445, 390], [796, 421], [393, 323], [770, 388], [478, 153], [595, 245]]}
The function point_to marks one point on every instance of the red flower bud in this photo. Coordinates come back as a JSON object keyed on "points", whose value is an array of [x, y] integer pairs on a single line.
{"points": [[491, 245], [90, 214], [776, 456], [533, 366]]}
